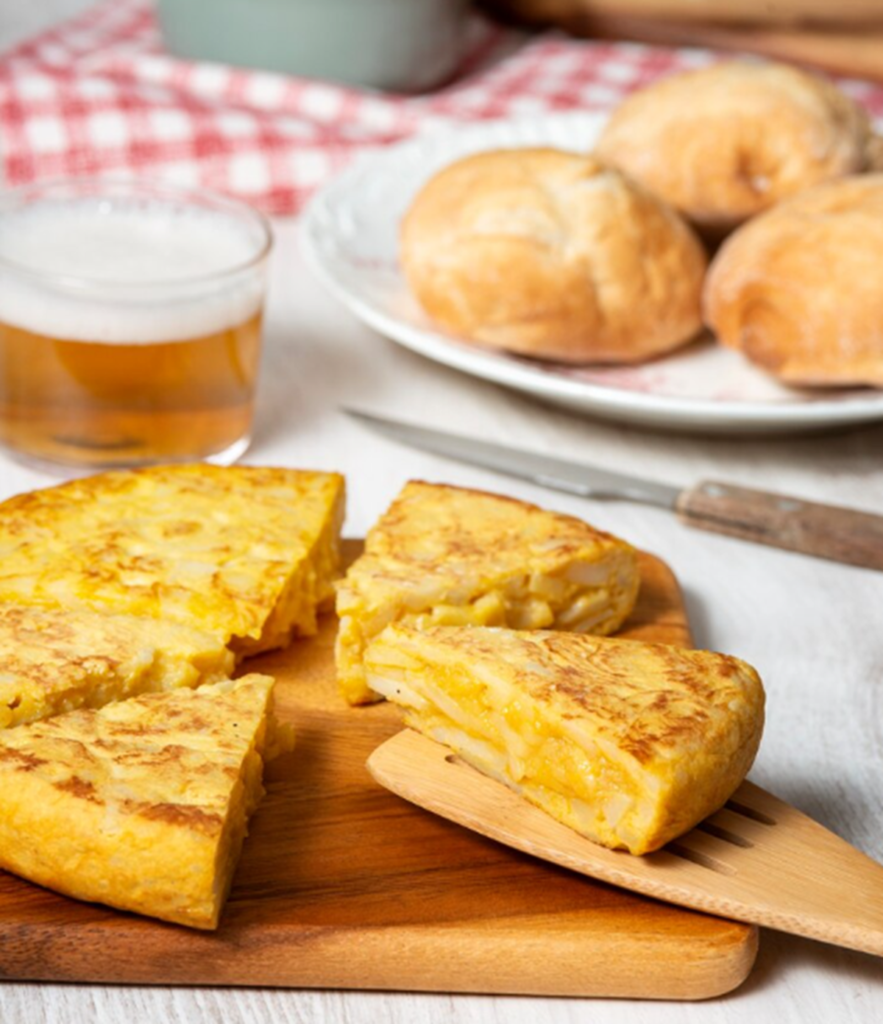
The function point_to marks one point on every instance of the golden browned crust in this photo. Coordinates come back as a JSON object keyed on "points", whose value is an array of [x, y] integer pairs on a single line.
{"points": [[471, 526], [726, 142], [244, 552], [142, 804], [54, 660], [797, 290], [552, 255], [649, 699], [648, 738]]}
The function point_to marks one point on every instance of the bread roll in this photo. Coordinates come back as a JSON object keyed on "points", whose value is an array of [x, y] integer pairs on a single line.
{"points": [[799, 289], [723, 143], [552, 255]]}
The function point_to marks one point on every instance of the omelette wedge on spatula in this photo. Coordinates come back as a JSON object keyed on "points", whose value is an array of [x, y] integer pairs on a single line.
{"points": [[641, 747]]}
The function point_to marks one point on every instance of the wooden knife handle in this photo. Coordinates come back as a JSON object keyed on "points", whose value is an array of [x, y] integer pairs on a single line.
{"points": [[826, 531]]}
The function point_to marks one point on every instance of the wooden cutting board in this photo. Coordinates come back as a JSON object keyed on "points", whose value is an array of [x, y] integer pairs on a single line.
{"points": [[343, 885]]}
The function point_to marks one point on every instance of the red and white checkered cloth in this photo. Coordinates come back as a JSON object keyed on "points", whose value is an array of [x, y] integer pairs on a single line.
{"points": [[98, 96]]}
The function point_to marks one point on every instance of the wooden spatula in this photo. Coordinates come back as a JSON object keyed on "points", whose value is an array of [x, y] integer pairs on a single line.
{"points": [[757, 860]]}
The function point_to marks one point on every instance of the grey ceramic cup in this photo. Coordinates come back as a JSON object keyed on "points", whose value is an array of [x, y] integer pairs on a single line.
{"points": [[402, 45]]}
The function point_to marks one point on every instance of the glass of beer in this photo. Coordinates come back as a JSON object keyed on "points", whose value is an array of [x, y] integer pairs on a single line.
{"points": [[130, 323]]}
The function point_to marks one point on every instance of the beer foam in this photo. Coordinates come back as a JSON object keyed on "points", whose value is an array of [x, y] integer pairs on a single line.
{"points": [[121, 247]]}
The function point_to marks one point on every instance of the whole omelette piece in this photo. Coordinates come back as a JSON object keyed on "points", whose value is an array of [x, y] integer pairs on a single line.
{"points": [[247, 553], [630, 744], [443, 555], [142, 804], [54, 660]]}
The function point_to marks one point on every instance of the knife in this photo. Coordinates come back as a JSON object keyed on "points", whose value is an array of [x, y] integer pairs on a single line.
{"points": [[826, 531]]}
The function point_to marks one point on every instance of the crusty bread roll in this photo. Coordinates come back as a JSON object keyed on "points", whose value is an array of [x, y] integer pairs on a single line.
{"points": [[728, 141], [799, 291], [552, 255]]}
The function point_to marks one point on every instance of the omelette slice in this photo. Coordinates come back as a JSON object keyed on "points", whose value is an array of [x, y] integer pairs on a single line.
{"points": [[629, 744], [55, 660], [248, 553], [142, 804], [450, 556]]}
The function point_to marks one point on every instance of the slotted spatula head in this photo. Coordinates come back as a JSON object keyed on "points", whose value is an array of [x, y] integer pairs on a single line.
{"points": [[757, 859]]}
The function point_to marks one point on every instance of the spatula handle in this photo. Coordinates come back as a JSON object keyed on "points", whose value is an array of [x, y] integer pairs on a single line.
{"points": [[826, 531]]}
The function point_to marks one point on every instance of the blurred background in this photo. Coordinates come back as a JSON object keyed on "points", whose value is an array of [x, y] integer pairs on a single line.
{"points": [[20, 19], [845, 37]]}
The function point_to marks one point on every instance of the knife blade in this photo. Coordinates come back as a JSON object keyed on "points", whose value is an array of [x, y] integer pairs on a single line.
{"points": [[778, 520]]}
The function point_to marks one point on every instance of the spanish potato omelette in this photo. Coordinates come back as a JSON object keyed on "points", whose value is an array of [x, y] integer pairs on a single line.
{"points": [[54, 660], [247, 553], [142, 804], [630, 744], [445, 555]]}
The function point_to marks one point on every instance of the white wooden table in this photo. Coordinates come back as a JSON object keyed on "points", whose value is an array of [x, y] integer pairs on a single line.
{"points": [[814, 630]]}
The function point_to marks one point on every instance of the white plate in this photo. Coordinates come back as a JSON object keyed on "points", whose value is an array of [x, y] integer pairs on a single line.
{"points": [[350, 231]]}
